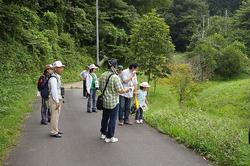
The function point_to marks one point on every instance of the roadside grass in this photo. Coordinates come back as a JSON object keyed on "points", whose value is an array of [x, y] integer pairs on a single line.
{"points": [[215, 122], [16, 98]]}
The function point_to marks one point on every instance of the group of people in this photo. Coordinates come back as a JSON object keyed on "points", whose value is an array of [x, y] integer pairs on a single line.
{"points": [[52, 93], [119, 87]]}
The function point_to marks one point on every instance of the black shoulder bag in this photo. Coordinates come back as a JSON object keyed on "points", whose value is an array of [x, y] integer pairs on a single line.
{"points": [[99, 103]]}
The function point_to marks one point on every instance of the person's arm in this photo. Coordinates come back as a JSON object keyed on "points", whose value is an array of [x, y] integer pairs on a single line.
{"points": [[135, 83], [81, 75], [96, 82], [126, 79], [88, 83], [118, 85]]}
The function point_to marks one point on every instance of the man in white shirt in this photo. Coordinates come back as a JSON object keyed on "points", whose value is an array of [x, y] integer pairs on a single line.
{"points": [[83, 76], [129, 80], [55, 98]]}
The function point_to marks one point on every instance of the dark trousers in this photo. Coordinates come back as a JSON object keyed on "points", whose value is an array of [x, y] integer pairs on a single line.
{"points": [[45, 112], [124, 108], [84, 91], [139, 114], [108, 123], [91, 106]]}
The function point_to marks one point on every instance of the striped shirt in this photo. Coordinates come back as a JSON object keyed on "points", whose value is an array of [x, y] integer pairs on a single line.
{"points": [[111, 94]]}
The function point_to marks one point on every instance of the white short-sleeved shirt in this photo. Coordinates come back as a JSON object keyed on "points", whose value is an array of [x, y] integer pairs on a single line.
{"points": [[84, 74], [124, 76]]}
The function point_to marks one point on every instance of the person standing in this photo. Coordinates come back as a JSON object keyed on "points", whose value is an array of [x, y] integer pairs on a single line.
{"points": [[110, 101], [43, 89], [55, 98], [129, 80], [91, 86], [143, 102], [83, 75]]}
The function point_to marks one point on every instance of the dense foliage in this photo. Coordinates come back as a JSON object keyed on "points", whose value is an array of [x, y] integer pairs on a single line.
{"points": [[151, 44]]}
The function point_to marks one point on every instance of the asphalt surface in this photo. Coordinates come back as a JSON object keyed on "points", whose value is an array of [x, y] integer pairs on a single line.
{"points": [[139, 145]]}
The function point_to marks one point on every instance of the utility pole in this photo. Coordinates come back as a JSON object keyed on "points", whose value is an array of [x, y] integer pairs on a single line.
{"points": [[97, 33], [208, 19], [203, 26], [226, 19]]}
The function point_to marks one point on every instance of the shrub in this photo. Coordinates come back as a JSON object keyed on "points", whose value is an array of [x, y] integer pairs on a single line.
{"points": [[230, 61]]}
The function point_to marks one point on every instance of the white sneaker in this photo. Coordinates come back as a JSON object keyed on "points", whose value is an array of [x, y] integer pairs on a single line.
{"points": [[141, 121], [102, 136], [137, 121], [112, 140]]}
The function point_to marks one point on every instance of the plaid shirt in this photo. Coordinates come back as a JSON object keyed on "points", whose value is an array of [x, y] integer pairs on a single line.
{"points": [[111, 94]]}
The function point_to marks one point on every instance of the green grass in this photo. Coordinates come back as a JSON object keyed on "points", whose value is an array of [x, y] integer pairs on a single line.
{"points": [[16, 98], [215, 122]]}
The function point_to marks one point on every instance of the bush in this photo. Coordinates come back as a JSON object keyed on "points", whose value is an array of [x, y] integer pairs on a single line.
{"points": [[181, 79], [230, 61]]}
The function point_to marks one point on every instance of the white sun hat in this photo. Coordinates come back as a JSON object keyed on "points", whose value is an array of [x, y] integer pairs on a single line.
{"points": [[93, 66], [145, 85], [58, 64]]}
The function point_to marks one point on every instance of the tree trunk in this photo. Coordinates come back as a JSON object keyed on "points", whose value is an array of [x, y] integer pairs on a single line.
{"points": [[155, 85]]}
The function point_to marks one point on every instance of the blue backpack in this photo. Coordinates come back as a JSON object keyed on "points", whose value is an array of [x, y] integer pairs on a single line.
{"points": [[43, 86]]}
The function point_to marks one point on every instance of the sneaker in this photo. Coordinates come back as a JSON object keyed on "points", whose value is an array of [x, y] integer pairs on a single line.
{"points": [[56, 135], [111, 140], [141, 121], [121, 123], [137, 121], [107, 140], [43, 123], [102, 136], [128, 123]]}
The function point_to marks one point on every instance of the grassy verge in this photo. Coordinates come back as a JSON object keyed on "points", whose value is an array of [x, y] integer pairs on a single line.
{"points": [[16, 98], [214, 123]]}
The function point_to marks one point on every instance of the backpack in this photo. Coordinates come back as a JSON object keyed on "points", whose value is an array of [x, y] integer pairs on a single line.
{"points": [[43, 86]]}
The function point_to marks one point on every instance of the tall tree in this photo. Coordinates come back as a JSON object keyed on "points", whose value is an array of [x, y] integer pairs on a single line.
{"points": [[184, 17], [242, 24], [218, 7], [144, 6], [151, 44]]}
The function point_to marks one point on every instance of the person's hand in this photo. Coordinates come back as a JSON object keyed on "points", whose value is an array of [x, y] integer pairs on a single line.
{"points": [[57, 106], [87, 95], [126, 90]]}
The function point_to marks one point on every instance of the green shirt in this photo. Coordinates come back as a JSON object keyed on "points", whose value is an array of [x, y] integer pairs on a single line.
{"points": [[111, 94], [93, 87]]}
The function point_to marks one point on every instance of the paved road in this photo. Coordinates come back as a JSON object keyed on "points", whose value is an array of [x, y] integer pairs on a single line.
{"points": [[139, 145]]}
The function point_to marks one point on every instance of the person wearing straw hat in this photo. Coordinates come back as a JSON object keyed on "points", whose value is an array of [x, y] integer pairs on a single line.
{"points": [[42, 87], [55, 98], [91, 86], [142, 99]]}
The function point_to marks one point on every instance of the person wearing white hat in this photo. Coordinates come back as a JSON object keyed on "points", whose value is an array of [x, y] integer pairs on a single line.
{"points": [[91, 86], [142, 99], [55, 98]]}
